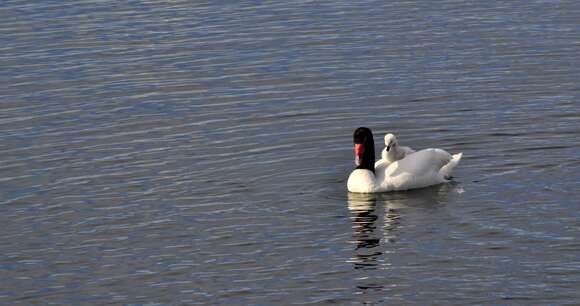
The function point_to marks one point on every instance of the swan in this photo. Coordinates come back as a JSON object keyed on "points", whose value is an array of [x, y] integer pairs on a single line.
{"points": [[392, 151], [419, 169]]}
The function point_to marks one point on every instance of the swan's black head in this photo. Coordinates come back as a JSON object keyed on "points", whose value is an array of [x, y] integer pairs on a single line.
{"points": [[364, 149]]}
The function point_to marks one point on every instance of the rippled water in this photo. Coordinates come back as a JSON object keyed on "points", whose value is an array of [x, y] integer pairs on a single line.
{"points": [[194, 152]]}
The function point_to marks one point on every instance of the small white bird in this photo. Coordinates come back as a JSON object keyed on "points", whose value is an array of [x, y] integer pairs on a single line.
{"points": [[392, 151]]}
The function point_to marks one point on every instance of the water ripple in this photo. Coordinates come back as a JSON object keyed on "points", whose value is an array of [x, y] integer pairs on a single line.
{"points": [[196, 153]]}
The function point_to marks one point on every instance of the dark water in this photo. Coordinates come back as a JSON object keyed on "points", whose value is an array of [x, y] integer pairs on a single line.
{"points": [[196, 153]]}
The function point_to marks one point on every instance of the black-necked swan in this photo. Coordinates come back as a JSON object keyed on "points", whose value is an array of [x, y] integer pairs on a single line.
{"points": [[420, 169], [392, 151]]}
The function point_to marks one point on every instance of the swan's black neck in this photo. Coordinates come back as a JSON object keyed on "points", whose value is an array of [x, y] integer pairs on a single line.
{"points": [[364, 148]]}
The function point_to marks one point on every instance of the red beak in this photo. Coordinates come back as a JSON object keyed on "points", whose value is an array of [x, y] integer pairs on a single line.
{"points": [[358, 149]]}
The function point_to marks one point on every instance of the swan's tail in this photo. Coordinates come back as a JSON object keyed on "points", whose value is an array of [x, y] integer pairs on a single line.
{"points": [[446, 170]]}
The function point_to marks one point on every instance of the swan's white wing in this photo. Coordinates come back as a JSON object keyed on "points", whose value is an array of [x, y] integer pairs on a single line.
{"points": [[419, 169], [420, 163]]}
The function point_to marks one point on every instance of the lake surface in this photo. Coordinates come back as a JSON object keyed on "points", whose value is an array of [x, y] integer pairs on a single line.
{"points": [[196, 152]]}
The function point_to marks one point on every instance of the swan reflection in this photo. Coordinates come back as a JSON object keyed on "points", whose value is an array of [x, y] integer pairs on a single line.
{"points": [[376, 218], [378, 221], [370, 229]]}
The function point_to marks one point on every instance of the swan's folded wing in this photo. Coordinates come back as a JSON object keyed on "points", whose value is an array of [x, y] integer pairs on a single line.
{"points": [[420, 163], [417, 170]]}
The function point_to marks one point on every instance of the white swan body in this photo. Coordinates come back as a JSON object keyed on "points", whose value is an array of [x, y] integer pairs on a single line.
{"points": [[420, 169]]}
